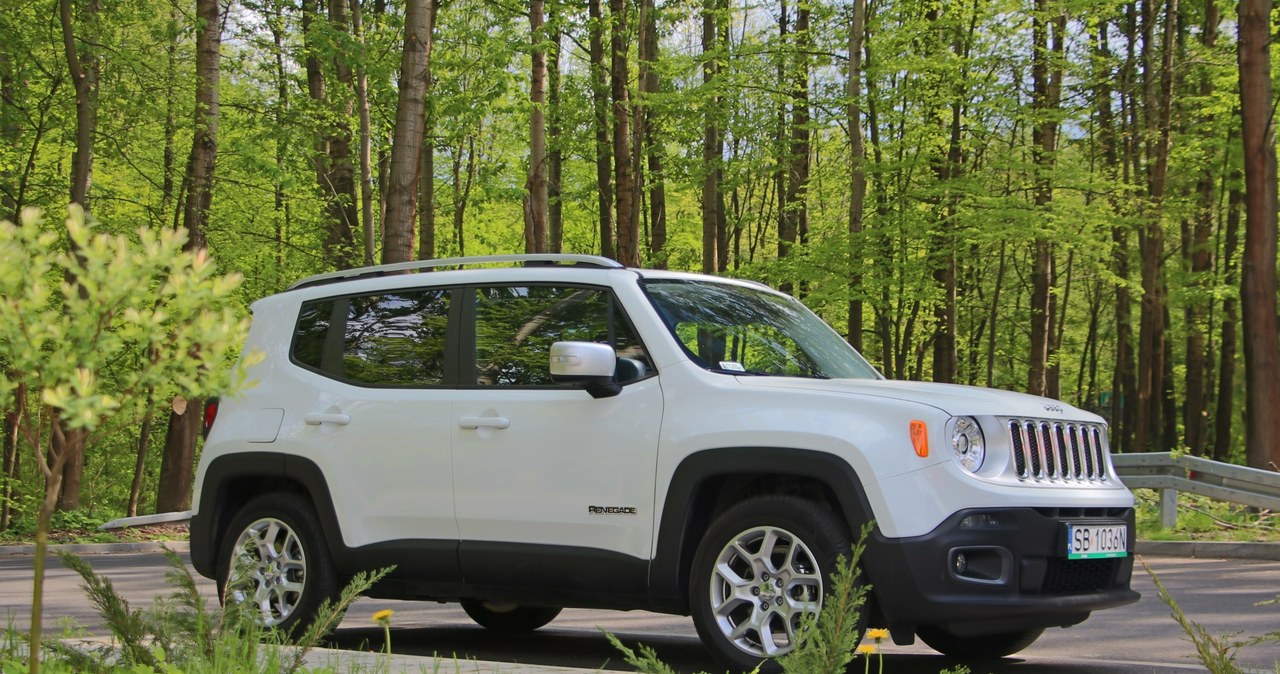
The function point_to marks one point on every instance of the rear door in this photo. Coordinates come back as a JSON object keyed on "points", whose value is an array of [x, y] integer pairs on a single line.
{"points": [[375, 417]]}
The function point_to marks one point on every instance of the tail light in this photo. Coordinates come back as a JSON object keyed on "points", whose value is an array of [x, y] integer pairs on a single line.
{"points": [[210, 414]]}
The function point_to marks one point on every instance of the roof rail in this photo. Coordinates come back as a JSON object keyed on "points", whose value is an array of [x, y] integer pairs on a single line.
{"points": [[532, 259]]}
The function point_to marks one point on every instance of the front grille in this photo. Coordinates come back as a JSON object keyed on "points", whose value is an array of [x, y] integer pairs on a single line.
{"points": [[1058, 451], [1079, 576]]}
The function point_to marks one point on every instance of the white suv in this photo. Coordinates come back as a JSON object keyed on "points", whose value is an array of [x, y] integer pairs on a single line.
{"points": [[525, 433]]}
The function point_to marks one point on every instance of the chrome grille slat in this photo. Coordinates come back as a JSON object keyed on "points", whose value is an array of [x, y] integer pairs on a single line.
{"points": [[1058, 451], [1048, 451], [1033, 446]]}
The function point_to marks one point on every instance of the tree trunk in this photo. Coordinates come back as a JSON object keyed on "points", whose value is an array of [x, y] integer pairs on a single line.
{"points": [[173, 489], [1046, 76], [712, 137], [858, 170], [342, 171], [462, 189], [10, 135], [332, 157], [1124, 382], [283, 80], [140, 462], [406, 148], [535, 207], [83, 64], [1227, 367], [649, 134], [427, 184], [1158, 94], [793, 209], [9, 480], [178, 462], [366, 138], [623, 175], [1198, 256], [604, 151], [1258, 268], [204, 143], [555, 155]]}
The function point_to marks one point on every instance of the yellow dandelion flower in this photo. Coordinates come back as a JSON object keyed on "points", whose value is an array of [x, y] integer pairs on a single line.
{"points": [[878, 635], [867, 649], [383, 616]]}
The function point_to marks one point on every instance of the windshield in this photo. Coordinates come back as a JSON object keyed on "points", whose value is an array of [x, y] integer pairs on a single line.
{"points": [[737, 330]]}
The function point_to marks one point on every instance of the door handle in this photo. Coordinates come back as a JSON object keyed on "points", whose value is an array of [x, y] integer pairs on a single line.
{"points": [[317, 418], [472, 423]]}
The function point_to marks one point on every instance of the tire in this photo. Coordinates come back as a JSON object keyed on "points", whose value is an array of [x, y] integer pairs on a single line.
{"points": [[509, 618], [763, 565], [984, 647], [274, 557]]}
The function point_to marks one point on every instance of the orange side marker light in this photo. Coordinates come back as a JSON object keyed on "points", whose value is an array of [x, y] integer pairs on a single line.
{"points": [[920, 438]]}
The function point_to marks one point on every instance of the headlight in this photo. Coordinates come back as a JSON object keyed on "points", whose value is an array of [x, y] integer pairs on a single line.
{"points": [[967, 443]]}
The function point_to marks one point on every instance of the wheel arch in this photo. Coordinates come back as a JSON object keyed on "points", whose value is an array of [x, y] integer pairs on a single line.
{"points": [[708, 482], [230, 481]]}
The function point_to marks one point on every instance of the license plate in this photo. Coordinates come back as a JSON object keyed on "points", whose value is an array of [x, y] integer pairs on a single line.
{"points": [[1097, 541]]}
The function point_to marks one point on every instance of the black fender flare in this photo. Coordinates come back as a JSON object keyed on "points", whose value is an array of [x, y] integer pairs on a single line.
{"points": [[243, 471], [684, 512]]}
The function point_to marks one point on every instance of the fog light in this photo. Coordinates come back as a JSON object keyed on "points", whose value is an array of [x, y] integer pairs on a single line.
{"points": [[984, 565], [980, 521]]}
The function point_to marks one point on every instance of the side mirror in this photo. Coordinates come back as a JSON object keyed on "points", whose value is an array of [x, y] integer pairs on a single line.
{"points": [[587, 363]]}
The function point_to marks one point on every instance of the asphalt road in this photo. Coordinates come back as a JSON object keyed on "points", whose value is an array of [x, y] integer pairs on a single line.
{"points": [[1221, 595]]}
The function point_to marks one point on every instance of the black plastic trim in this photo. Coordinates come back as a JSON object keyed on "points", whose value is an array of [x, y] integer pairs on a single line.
{"points": [[924, 590], [685, 514], [214, 511]]}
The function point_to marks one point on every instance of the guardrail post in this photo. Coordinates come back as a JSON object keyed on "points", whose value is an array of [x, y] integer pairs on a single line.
{"points": [[1168, 508]]}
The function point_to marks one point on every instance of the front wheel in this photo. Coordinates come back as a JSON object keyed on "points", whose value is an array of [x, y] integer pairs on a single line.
{"points": [[761, 568], [509, 618], [985, 647], [274, 560]]}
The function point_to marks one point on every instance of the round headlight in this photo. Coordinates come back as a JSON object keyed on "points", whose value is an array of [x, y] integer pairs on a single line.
{"points": [[967, 443]]}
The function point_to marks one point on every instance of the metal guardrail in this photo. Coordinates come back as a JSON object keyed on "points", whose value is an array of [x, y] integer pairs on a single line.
{"points": [[1223, 481]]}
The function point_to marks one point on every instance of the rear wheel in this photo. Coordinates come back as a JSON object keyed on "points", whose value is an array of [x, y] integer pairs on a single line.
{"points": [[985, 647], [509, 618], [761, 568], [274, 559]]}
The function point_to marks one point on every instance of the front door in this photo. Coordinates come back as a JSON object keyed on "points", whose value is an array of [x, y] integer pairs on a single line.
{"points": [[552, 487]]}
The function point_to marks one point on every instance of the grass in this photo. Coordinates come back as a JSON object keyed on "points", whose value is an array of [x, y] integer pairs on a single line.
{"points": [[80, 527], [1203, 519], [180, 633]]}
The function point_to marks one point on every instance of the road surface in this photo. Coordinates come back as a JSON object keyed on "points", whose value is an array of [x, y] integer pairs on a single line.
{"points": [[1220, 594]]}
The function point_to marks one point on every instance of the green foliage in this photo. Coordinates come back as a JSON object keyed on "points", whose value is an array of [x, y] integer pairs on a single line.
{"points": [[827, 642], [180, 633], [90, 324], [646, 660], [1203, 518]]}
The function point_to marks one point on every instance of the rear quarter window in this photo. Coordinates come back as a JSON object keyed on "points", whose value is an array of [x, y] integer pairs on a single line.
{"points": [[391, 339]]}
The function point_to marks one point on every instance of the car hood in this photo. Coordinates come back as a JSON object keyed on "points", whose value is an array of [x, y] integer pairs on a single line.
{"points": [[954, 399]]}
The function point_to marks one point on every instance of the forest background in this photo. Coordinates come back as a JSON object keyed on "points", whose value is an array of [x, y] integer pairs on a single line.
{"points": [[1075, 198]]}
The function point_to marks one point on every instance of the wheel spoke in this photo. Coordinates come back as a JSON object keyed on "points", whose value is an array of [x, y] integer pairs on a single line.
{"points": [[767, 642], [763, 581], [725, 571], [269, 569], [767, 546]]}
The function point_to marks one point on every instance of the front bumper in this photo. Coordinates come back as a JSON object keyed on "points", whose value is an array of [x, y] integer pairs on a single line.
{"points": [[1016, 574]]}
